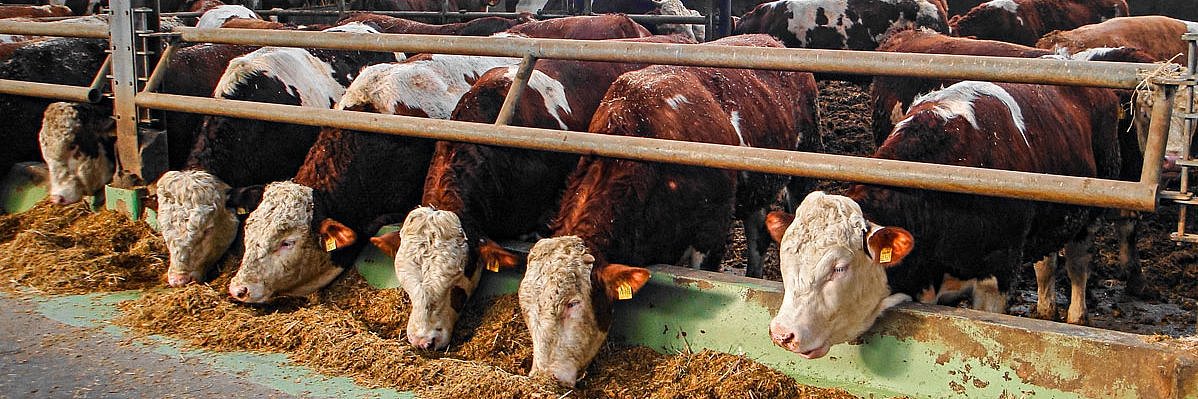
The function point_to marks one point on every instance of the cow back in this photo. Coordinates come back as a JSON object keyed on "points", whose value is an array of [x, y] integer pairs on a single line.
{"points": [[582, 28], [890, 96], [1024, 21], [1152, 34], [840, 24]]}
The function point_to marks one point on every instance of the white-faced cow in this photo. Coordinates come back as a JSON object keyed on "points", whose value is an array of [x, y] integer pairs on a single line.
{"points": [[840, 24], [72, 62], [845, 259], [475, 193], [1024, 21], [617, 212], [354, 182]]}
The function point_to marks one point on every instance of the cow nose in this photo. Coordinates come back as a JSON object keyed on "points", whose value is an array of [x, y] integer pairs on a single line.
{"points": [[781, 336], [182, 279], [240, 293], [424, 343], [58, 200]]}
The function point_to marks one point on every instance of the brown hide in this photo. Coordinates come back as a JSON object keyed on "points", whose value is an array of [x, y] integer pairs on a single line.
{"points": [[1156, 35], [1033, 18]]}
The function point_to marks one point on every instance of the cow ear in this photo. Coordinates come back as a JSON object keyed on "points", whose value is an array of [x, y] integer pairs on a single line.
{"points": [[388, 243], [777, 222], [494, 257], [621, 281], [334, 235], [889, 245]]}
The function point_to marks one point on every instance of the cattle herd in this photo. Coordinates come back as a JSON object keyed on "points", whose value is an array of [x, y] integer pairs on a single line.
{"points": [[303, 200]]}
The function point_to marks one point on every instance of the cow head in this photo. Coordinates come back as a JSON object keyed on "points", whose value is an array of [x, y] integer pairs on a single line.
{"points": [[196, 225], [285, 253], [833, 265], [994, 20], [76, 142], [432, 263], [566, 297]]}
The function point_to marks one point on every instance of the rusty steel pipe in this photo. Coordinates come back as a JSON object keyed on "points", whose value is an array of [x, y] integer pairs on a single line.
{"points": [[1001, 183], [519, 83], [49, 90], [159, 71], [1158, 132], [97, 86], [938, 66], [58, 30], [464, 15]]}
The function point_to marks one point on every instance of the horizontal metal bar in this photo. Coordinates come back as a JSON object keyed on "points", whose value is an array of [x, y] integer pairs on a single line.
{"points": [[642, 18], [60, 30], [935, 66], [49, 90], [1001, 183]]}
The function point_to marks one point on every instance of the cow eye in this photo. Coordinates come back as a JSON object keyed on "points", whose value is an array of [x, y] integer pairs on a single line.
{"points": [[287, 244], [573, 303], [840, 269]]}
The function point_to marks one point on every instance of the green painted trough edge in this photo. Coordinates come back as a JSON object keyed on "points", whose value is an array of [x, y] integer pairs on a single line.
{"points": [[914, 350], [23, 186], [270, 370]]}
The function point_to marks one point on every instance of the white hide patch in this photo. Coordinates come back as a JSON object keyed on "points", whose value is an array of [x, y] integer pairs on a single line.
{"points": [[1009, 5], [433, 85], [216, 17], [677, 100], [352, 27], [804, 13], [550, 89], [564, 339], [1191, 27], [1089, 54], [306, 77], [734, 118], [957, 101], [12, 38]]}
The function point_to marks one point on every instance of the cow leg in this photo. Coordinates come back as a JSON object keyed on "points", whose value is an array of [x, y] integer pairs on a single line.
{"points": [[1077, 263], [1129, 256], [758, 242], [987, 296], [1046, 288]]}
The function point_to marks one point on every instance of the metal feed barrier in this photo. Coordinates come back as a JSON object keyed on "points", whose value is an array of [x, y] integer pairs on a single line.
{"points": [[914, 350]]}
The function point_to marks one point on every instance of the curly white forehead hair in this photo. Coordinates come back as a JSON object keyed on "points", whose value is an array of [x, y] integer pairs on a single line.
{"points": [[824, 220], [284, 205], [558, 262], [186, 201]]}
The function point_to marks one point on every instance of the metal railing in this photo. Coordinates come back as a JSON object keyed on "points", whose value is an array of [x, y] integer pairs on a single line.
{"points": [[1032, 186]]}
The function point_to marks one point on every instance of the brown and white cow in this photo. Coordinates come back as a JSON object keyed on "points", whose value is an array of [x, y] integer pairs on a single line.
{"points": [[421, 5], [845, 259], [617, 211], [1156, 35], [234, 152], [357, 181], [475, 193], [475, 27], [840, 24], [76, 141], [1024, 21]]}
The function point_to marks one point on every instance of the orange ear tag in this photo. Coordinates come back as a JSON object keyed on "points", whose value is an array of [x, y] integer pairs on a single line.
{"points": [[493, 266], [624, 291], [884, 257], [330, 244]]}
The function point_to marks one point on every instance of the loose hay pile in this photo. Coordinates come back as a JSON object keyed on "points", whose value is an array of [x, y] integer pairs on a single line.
{"points": [[70, 250], [354, 330]]}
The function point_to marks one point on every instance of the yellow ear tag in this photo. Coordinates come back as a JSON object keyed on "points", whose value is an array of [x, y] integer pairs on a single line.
{"points": [[884, 257], [624, 291], [330, 244], [242, 211], [493, 266]]}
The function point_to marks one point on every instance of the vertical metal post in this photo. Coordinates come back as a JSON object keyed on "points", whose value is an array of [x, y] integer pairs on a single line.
{"points": [[444, 12], [725, 17], [340, 10], [519, 83], [709, 26], [132, 54], [1158, 132]]}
